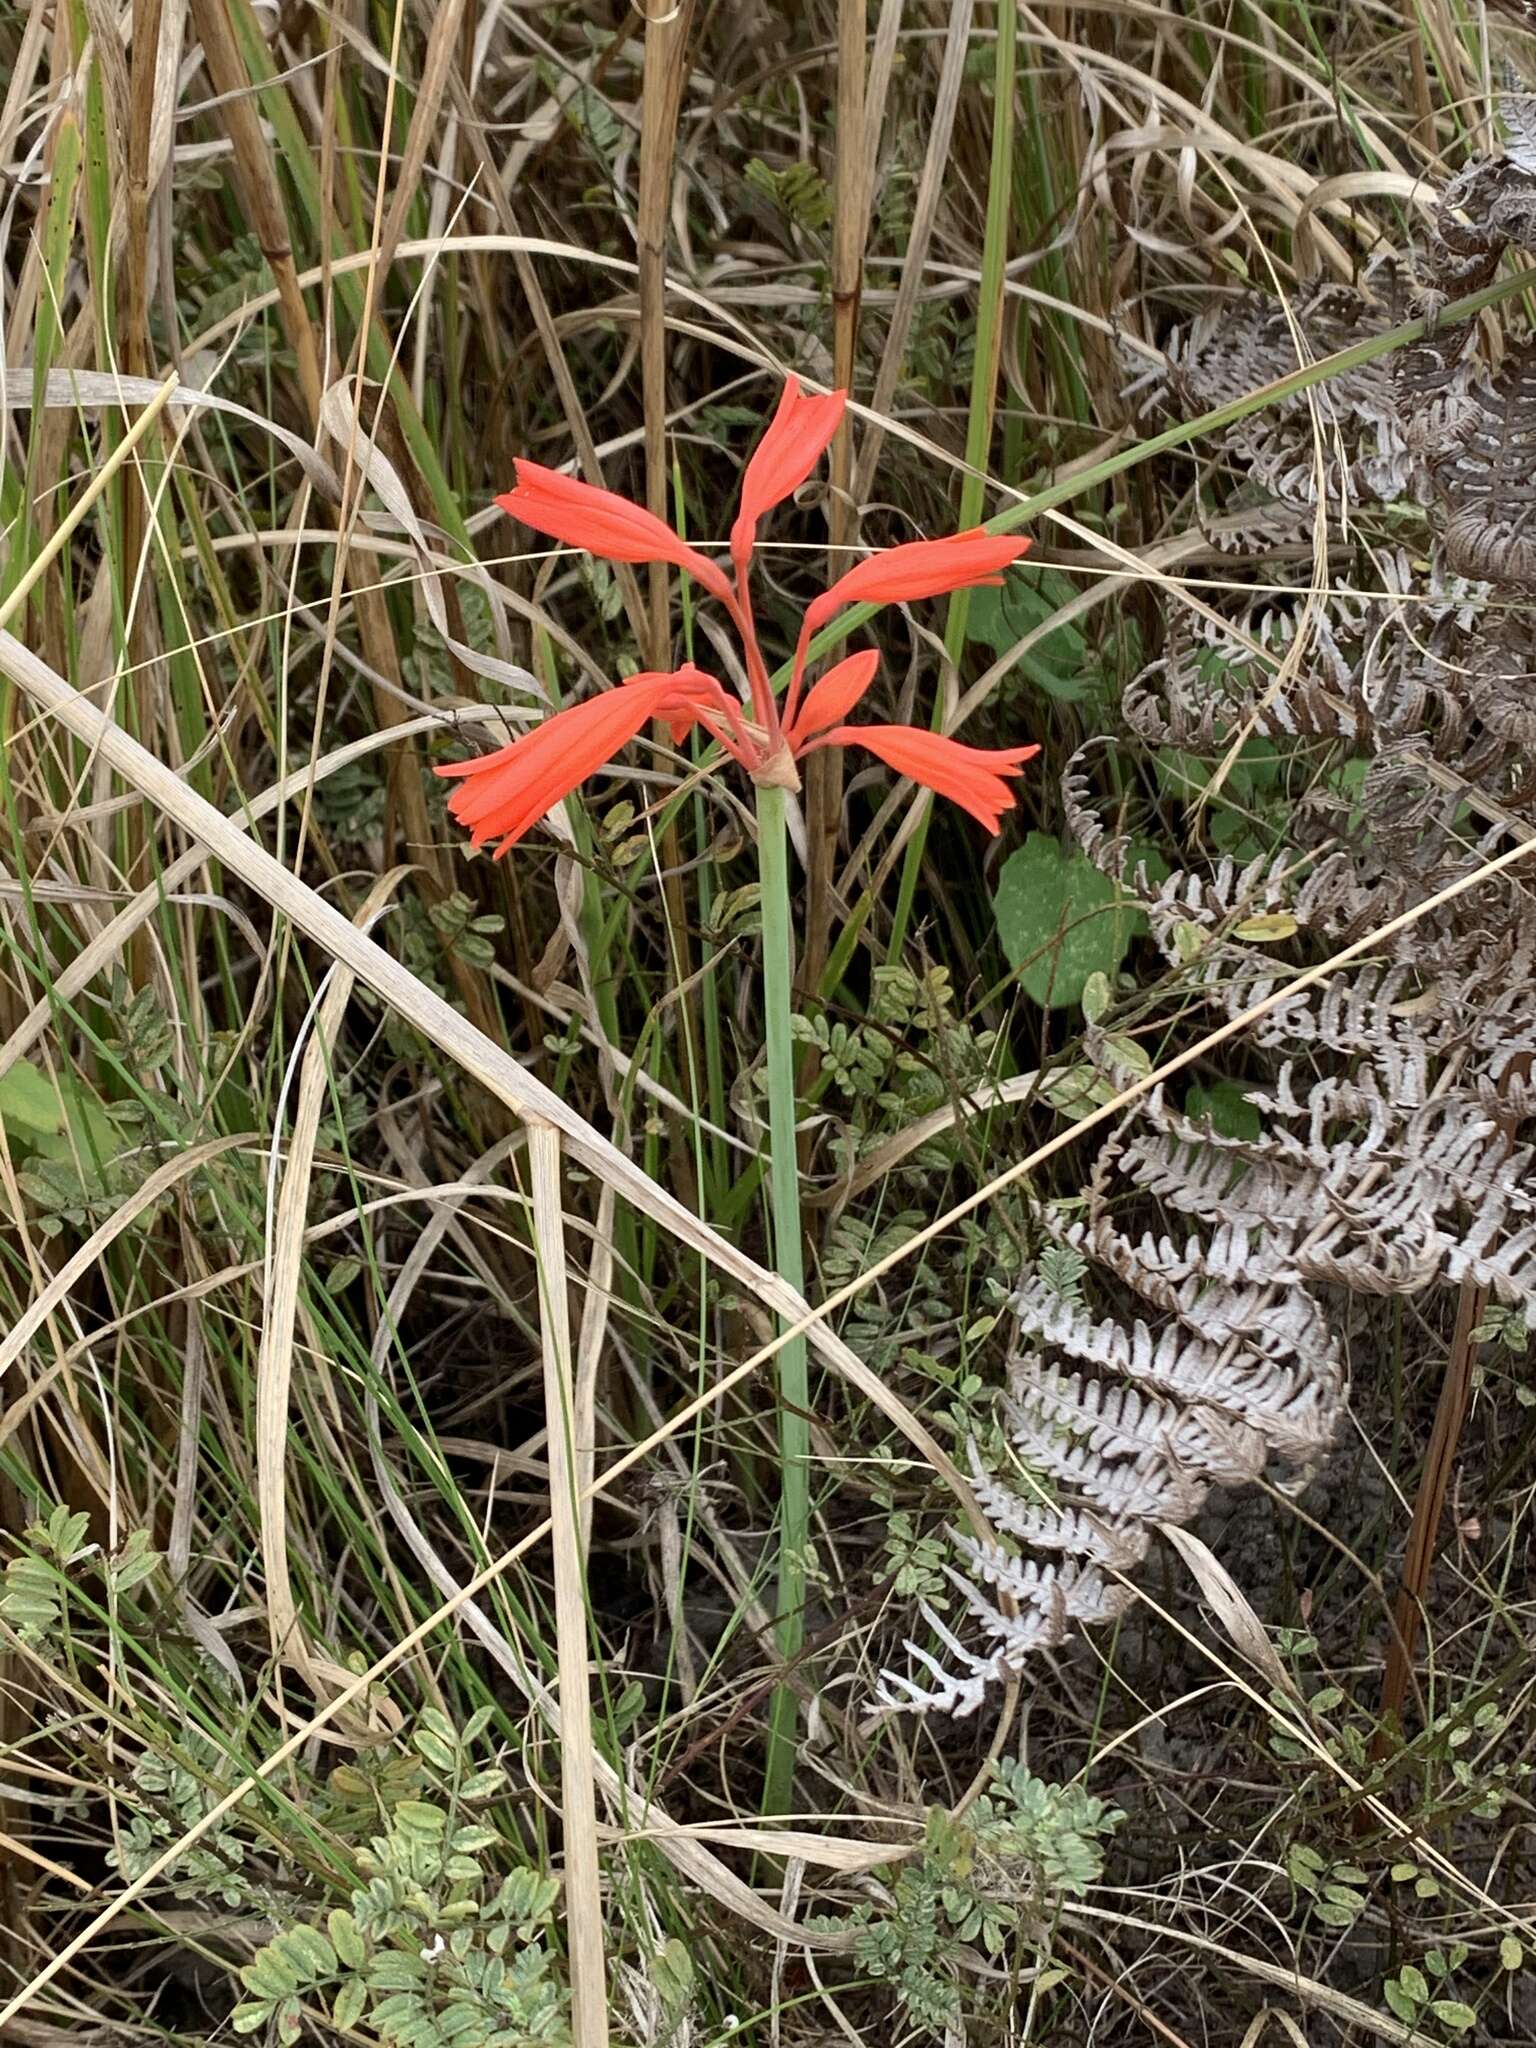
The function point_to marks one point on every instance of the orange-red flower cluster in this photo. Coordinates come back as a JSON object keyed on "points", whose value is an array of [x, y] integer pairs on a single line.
{"points": [[501, 795]]}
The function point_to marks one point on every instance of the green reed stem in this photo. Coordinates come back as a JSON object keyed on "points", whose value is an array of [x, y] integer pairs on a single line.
{"points": [[978, 433], [788, 1259]]}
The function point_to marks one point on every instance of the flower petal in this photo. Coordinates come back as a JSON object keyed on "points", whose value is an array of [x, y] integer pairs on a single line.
{"points": [[700, 699], [503, 794], [829, 701], [972, 777], [797, 437], [919, 568], [602, 523]]}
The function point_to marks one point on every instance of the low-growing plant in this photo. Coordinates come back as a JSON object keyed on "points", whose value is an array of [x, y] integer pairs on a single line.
{"points": [[986, 1885], [436, 1947]]}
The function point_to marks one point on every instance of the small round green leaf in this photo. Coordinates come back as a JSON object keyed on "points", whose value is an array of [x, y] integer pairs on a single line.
{"points": [[1450, 2012], [1059, 921], [1399, 2002], [29, 1101], [1097, 996], [347, 2005]]}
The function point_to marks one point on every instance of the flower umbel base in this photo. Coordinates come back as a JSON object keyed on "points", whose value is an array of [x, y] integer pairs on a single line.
{"points": [[778, 771]]}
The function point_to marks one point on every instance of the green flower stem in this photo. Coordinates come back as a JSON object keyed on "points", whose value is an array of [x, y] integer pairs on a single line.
{"points": [[788, 1258]]}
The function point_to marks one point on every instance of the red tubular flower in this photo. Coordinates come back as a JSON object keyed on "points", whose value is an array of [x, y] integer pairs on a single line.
{"points": [[798, 436], [504, 794], [920, 568], [972, 777], [831, 699], [603, 523]]}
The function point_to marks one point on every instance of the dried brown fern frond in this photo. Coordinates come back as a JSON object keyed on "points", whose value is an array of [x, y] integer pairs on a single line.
{"points": [[1415, 653], [1120, 1423], [1471, 418], [1484, 466], [1419, 693], [1383, 1163], [1161, 1366], [1438, 422], [1342, 440], [1188, 1332]]}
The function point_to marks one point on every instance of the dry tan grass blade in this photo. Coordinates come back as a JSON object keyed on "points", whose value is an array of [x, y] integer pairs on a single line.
{"points": [[957, 37], [85, 390], [442, 48], [38, 567], [257, 174], [1350, 2011], [578, 1797], [881, 1159], [522, 1092], [596, 1299], [340, 419], [274, 1365], [1230, 1604], [664, 68], [527, 1097], [843, 1853]]}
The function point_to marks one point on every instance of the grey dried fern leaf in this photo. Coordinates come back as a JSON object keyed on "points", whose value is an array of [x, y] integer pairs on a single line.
{"points": [[1204, 1344]]}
